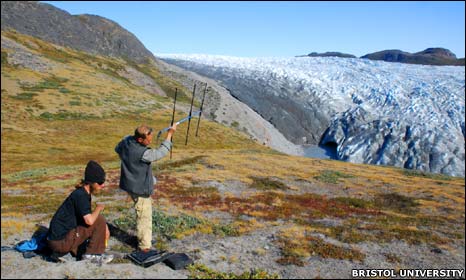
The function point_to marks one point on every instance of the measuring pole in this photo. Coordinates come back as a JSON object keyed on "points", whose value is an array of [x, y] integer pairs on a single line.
{"points": [[173, 119], [202, 104], [190, 111]]}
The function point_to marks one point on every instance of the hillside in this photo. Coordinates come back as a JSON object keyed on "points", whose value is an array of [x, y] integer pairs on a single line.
{"points": [[232, 204]]}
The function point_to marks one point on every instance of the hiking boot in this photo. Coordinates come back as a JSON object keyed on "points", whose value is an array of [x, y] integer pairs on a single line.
{"points": [[98, 258]]}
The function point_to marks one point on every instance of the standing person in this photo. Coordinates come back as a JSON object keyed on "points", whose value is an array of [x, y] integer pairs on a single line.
{"points": [[74, 222], [137, 179]]}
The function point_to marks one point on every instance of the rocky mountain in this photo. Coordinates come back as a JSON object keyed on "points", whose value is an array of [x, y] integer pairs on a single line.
{"points": [[373, 112], [430, 56], [89, 33]]}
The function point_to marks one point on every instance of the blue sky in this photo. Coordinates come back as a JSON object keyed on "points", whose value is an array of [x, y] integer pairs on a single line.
{"points": [[276, 28]]}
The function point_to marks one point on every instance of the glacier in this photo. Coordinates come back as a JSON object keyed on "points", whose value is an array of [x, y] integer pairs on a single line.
{"points": [[373, 112]]}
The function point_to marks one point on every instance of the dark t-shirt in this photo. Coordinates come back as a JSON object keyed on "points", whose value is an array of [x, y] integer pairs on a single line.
{"points": [[70, 214]]}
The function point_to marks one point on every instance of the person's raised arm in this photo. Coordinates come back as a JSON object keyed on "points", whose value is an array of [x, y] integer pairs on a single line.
{"points": [[89, 219]]}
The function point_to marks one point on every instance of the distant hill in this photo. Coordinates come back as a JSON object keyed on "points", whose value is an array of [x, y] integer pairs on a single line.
{"points": [[327, 54], [430, 56], [89, 33]]}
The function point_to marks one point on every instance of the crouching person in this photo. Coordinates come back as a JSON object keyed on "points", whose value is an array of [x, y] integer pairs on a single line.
{"points": [[74, 222]]}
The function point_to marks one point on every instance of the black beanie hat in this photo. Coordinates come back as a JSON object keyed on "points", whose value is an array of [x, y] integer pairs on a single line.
{"points": [[94, 173]]}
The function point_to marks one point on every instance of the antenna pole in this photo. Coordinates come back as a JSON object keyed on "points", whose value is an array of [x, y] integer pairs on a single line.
{"points": [[190, 111], [200, 113], [173, 119]]}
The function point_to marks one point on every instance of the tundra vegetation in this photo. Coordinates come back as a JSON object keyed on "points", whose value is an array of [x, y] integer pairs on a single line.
{"points": [[54, 121]]}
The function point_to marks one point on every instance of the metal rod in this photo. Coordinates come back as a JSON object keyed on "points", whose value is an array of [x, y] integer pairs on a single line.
{"points": [[194, 114], [173, 119], [202, 104], [190, 111]]}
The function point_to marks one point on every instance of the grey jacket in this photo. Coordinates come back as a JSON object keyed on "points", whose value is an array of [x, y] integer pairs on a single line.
{"points": [[136, 169]]}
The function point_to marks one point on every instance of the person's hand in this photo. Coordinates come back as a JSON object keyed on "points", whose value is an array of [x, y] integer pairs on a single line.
{"points": [[170, 132], [172, 128], [99, 206]]}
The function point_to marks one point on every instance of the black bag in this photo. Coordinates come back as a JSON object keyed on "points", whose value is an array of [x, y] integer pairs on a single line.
{"points": [[150, 258], [178, 261]]}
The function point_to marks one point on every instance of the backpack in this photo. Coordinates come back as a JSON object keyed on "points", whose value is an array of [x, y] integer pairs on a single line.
{"points": [[37, 243]]}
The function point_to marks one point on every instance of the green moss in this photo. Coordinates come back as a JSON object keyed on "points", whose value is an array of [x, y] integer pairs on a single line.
{"points": [[163, 225], [416, 173], [24, 96], [326, 250], [225, 230], [200, 271], [354, 202], [169, 226], [267, 183], [52, 82], [31, 204], [39, 173], [294, 251], [171, 165], [396, 202], [349, 234], [386, 228], [5, 59], [330, 176], [64, 90], [74, 103], [65, 115]]}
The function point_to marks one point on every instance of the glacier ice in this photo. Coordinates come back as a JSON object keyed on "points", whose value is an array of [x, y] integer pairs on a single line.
{"points": [[375, 112]]}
